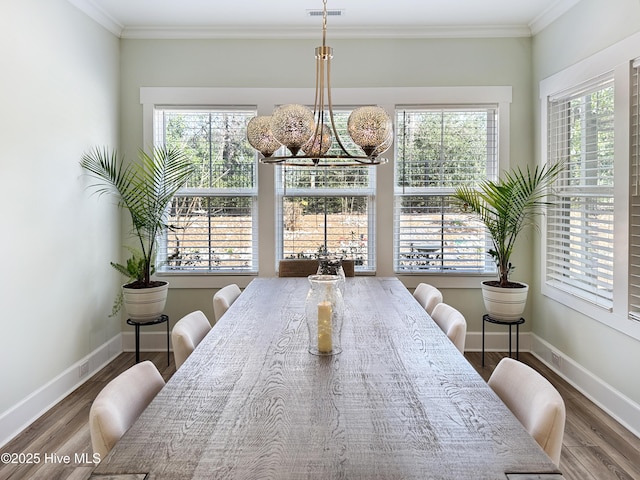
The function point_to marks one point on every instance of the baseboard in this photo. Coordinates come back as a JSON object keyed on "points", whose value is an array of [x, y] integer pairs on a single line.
{"points": [[149, 341], [24, 413], [497, 341], [616, 404]]}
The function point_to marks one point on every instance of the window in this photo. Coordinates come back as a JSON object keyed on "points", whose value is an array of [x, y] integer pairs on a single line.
{"points": [[579, 231], [297, 211], [328, 209], [438, 149], [212, 220], [634, 196]]}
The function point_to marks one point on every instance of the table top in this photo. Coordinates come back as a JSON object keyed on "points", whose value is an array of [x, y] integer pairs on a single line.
{"points": [[399, 402]]}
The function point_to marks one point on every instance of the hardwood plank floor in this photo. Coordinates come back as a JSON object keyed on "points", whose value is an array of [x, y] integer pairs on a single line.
{"points": [[595, 446]]}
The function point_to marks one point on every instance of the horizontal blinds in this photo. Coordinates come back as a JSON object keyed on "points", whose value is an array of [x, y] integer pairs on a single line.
{"points": [[634, 196], [326, 181], [438, 149], [579, 248], [210, 234], [340, 223], [432, 235]]}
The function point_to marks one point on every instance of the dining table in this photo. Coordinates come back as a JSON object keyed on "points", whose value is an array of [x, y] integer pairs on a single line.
{"points": [[398, 402]]}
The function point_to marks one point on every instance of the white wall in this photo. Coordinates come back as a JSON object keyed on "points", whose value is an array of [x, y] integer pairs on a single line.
{"points": [[602, 353], [59, 85], [356, 63]]}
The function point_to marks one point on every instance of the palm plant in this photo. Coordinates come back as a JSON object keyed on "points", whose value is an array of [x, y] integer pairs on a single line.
{"points": [[145, 189], [506, 206]]}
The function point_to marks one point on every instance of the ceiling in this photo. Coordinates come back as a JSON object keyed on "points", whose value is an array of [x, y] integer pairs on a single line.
{"points": [[291, 19]]}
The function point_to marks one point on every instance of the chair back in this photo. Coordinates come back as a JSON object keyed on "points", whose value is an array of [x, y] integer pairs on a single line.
{"points": [[303, 267], [452, 323], [224, 298], [297, 267], [187, 334], [120, 403], [428, 296], [534, 401]]}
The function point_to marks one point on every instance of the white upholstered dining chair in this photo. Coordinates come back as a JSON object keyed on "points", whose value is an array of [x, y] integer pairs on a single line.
{"points": [[534, 401], [187, 333], [428, 296], [452, 323], [224, 298], [120, 403]]}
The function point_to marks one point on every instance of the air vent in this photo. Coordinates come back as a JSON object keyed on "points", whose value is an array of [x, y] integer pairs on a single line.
{"points": [[330, 13]]}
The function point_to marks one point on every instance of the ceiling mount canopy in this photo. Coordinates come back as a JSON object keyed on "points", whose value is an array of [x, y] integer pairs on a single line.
{"points": [[310, 135]]}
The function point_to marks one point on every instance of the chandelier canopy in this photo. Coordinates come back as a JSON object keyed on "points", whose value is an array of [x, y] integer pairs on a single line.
{"points": [[308, 135]]}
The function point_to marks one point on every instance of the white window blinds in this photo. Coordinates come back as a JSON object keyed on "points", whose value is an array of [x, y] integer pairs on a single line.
{"points": [[439, 149], [634, 196], [579, 236]]}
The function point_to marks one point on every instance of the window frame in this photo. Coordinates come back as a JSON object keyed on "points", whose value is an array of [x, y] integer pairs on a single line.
{"points": [[559, 221], [366, 191], [401, 192], [213, 192], [386, 97], [616, 59]]}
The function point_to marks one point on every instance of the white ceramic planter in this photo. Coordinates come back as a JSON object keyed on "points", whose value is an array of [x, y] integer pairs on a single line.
{"points": [[142, 304], [505, 303]]}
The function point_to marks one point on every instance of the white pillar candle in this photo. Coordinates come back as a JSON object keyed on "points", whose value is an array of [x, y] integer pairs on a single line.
{"points": [[324, 327]]}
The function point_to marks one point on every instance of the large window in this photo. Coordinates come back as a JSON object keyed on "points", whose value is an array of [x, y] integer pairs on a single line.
{"points": [[437, 150], [328, 209], [212, 220], [580, 222]]}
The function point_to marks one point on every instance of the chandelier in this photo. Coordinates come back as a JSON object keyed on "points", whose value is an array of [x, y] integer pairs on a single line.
{"points": [[308, 135]]}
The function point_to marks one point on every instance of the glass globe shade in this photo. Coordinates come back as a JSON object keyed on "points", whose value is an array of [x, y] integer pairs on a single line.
{"points": [[292, 125], [369, 127], [314, 147], [383, 147], [260, 137]]}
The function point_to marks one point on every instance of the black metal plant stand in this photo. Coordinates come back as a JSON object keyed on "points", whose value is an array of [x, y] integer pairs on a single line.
{"points": [[486, 318], [161, 319]]}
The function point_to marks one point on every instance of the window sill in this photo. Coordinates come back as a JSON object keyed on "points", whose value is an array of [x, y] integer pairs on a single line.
{"points": [[411, 280]]}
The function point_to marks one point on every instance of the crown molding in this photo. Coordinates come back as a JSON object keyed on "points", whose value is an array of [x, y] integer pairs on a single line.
{"points": [[550, 15], [279, 32], [93, 11]]}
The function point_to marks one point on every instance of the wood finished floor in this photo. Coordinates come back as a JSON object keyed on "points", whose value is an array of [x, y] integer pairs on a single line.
{"points": [[595, 446]]}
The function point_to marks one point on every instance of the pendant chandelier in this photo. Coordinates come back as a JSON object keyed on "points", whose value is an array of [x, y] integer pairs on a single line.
{"points": [[308, 135]]}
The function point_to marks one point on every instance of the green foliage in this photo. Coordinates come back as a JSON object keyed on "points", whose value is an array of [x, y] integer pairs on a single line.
{"points": [[506, 206], [216, 142], [441, 149], [145, 189], [134, 270]]}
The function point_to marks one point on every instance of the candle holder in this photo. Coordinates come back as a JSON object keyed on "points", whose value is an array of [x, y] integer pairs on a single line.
{"points": [[331, 265], [324, 310]]}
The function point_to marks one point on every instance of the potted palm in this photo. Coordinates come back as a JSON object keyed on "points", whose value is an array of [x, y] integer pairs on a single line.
{"points": [[145, 189], [505, 207]]}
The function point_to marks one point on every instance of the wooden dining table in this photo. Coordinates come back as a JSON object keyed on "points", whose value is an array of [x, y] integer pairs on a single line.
{"points": [[399, 402]]}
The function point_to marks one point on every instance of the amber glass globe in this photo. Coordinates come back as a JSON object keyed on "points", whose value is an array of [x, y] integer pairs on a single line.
{"points": [[260, 137], [319, 143], [369, 127], [292, 125]]}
